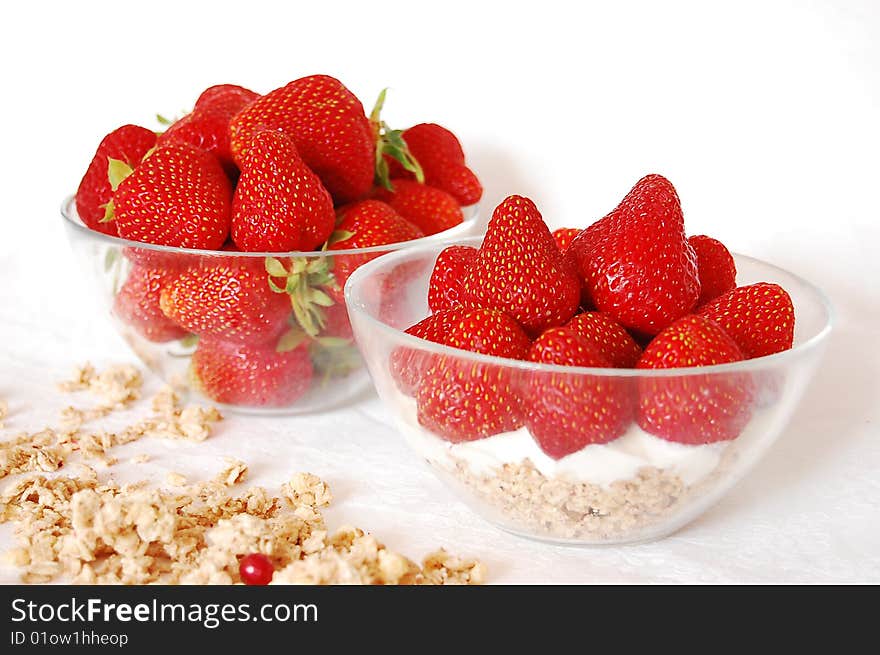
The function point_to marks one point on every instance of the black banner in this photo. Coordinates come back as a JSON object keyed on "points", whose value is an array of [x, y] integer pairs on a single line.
{"points": [[67, 617]]}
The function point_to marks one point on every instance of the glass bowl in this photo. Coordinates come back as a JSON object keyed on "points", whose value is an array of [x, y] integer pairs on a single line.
{"points": [[637, 487], [314, 373]]}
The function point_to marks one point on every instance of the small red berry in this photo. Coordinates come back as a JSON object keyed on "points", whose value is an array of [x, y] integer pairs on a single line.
{"points": [[255, 569]]}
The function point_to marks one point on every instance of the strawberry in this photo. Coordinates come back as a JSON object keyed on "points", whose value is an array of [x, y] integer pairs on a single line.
{"points": [[441, 158], [366, 224], [228, 298], [328, 126], [137, 304], [337, 323], [694, 408], [520, 271], [251, 374], [715, 267], [636, 262], [207, 126], [226, 96], [178, 196], [444, 289], [429, 209], [128, 144], [407, 365], [569, 411], [461, 400], [280, 205], [481, 331], [564, 236], [159, 259], [759, 318], [608, 336], [488, 332]]}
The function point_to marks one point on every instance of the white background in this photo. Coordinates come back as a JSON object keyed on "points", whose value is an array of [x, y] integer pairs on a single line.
{"points": [[763, 114]]}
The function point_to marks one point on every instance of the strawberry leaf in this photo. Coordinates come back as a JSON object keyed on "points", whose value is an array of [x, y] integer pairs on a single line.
{"points": [[275, 268], [339, 235], [117, 171], [109, 213], [290, 340], [320, 298], [276, 288]]}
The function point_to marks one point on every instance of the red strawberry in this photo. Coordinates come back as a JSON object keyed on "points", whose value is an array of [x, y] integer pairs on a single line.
{"points": [[482, 331], [464, 401], [337, 323], [520, 271], [279, 205], [444, 289], [229, 298], [759, 318], [178, 196], [488, 332], [441, 158], [569, 411], [407, 365], [429, 209], [137, 304], [251, 374], [608, 336], [437, 325], [128, 144], [160, 259], [207, 126], [694, 408], [328, 125], [226, 96], [564, 236], [362, 225], [636, 261], [461, 400], [715, 267]]}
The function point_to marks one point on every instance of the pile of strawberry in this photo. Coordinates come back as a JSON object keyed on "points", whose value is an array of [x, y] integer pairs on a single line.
{"points": [[302, 168], [629, 291]]}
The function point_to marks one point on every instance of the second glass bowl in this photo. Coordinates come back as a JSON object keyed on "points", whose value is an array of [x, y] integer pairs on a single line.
{"points": [[634, 488], [253, 357]]}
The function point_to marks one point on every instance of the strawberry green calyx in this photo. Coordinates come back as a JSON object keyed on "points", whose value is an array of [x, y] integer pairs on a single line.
{"points": [[117, 171], [290, 340], [390, 142], [303, 281], [338, 236], [334, 357]]}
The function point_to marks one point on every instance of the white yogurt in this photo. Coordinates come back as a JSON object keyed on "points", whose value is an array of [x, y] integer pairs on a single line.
{"points": [[599, 464]]}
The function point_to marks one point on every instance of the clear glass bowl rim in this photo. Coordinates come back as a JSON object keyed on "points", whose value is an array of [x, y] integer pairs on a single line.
{"points": [[68, 212], [744, 366]]}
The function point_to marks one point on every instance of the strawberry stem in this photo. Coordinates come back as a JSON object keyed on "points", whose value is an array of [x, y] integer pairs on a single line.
{"points": [[391, 142], [304, 282]]}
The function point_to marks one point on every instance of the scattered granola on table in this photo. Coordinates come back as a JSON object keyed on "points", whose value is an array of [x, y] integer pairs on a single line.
{"points": [[93, 532]]}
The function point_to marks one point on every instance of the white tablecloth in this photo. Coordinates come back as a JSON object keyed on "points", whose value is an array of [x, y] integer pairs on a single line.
{"points": [[808, 512]]}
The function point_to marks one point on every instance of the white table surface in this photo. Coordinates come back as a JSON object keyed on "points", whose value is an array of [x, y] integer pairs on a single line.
{"points": [[808, 512], [773, 148]]}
